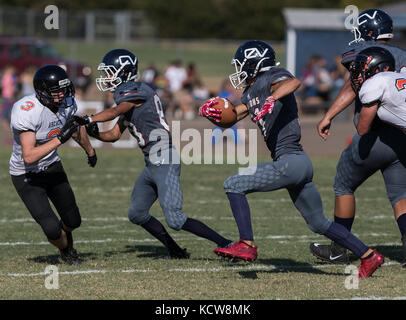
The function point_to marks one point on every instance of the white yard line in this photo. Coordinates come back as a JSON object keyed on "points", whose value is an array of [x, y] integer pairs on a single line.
{"points": [[283, 239], [250, 267], [389, 216]]}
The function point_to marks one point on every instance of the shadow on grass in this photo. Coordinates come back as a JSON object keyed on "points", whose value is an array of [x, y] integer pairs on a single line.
{"points": [[141, 251], [284, 266], [391, 252], [55, 258]]}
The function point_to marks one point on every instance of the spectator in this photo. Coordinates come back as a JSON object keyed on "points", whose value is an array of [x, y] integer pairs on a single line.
{"points": [[26, 82], [316, 81], [150, 76], [8, 94], [339, 76], [175, 75]]}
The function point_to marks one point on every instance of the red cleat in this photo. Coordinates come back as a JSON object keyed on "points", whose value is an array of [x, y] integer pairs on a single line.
{"points": [[238, 250], [368, 266]]}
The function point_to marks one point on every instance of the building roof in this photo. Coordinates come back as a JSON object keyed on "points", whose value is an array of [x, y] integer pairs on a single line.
{"points": [[310, 18], [333, 19]]}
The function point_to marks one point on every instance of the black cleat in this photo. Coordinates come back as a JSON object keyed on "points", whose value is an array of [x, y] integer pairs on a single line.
{"points": [[404, 250], [178, 254], [333, 253], [70, 257]]}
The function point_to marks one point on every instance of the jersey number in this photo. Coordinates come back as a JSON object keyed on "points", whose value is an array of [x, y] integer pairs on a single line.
{"points": [[400, 84], [28, 106], [160, 111]]}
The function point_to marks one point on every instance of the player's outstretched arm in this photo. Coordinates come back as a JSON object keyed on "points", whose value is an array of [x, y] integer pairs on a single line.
{"points": [[111, 135], [366, 116], [343, 100], [108, 114]]}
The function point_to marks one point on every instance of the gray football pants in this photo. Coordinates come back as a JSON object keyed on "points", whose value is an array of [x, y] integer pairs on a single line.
{"points": [[158, 182], [292, 171], [369, 153]]}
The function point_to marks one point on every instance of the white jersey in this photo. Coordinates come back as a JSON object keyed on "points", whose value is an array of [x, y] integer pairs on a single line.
{"points": [[390, 89], [28, 114]]}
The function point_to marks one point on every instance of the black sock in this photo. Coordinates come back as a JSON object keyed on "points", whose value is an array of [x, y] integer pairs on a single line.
{"points": [[242, 215], [401, 221], [155, 228], [345, 238], [346, 222], [200, 229]]}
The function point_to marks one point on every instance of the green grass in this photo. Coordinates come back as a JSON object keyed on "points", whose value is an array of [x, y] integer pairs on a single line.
{"points": [[120, 257], [212, 59]]}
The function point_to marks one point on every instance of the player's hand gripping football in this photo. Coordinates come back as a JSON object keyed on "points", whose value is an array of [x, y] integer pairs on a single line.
{"points": [[266, 108], [208, 111]]}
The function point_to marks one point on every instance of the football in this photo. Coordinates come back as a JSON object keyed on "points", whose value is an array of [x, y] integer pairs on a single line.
{"points": [[228, 116]]}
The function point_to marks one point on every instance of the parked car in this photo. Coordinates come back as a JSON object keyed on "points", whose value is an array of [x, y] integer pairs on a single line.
{"points": [[25, 52]]}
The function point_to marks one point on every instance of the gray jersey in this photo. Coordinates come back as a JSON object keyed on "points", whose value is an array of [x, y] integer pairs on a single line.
{"points": [[281, 129], [28, 114], [349, 56], [147, 122]]}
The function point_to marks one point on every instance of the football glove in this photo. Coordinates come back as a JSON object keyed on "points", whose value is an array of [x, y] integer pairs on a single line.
{"points": [[92, 160], [67, 130], [82, 120], [208, 111], [92, 129], [266, 108]]}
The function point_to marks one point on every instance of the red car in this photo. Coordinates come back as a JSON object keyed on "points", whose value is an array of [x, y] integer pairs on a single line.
{"points": [[26, 52]]}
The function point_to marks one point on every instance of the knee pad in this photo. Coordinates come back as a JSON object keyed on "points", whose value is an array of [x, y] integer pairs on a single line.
{"points": [[341, 188], [232, 185], [395, 194], [52, 228], [72, 219], [137, 216]]}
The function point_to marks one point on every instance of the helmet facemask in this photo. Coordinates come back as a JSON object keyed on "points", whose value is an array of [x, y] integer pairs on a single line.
{"points": [[238, 79], [246, 71], [59, 96], [111, 77]]}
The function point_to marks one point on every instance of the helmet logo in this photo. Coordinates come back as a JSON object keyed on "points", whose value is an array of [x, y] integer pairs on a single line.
{"points": [[127, 59], [366, 15], [254, 53], [64, 82]]}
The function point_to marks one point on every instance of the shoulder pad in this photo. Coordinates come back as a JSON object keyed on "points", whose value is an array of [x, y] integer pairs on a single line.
{"points": [[132, 91]]}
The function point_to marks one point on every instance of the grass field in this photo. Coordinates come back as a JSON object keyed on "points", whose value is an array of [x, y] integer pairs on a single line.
{"points": [[122, 260]]}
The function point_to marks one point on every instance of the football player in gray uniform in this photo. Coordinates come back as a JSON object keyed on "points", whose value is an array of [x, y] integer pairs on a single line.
{"points": [[40, 123], [139, 109], [269, 100], [380, 149]]}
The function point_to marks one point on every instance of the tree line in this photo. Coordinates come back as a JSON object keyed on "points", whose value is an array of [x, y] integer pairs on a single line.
{"points": [[216, 19]]}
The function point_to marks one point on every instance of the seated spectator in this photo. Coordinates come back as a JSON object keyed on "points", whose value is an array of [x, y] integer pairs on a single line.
{"points": [[316, 81], [182, 99]]}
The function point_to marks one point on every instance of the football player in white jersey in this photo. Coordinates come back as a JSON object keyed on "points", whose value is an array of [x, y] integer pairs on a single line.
{"points": [[40, 123], [380, 89]]}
